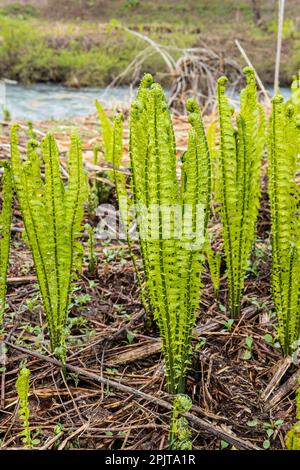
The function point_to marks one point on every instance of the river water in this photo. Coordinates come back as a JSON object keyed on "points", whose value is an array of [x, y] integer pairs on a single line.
{"points": [[46, 101]]}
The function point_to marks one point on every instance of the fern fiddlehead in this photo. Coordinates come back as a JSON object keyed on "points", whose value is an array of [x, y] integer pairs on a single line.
{"points": [[292, 439], [5, 223], [22, 386], [171, 220], [106, 131], [180, 434], [52, 217], [295, 99], [241, 152], [283, 144], [113, 144], [214, 263]]}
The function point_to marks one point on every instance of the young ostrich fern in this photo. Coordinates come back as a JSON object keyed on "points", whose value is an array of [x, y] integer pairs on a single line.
{"points": [[5, 222], [112, 134], [295, 98], [284, 149], [171, 220], [240, 156], [22, 386], [292, 439], [52, 217], [106, 131]]}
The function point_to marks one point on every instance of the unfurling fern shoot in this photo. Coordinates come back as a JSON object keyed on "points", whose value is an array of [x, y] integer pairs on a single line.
{"points": [[172, 219], [214, 263], [292, 439], [52, 215], [180, 434], [22, 386], [106, 131], [5, 223], [295, 98], [112, 134], [240, 154], [284, 193]]}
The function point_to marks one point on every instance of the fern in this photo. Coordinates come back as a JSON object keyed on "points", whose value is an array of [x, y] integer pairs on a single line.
{"points": [[284, 201], [295, 99], [52, 217], [180, 434], [214, 263], [119, 176], [92, 257], [292, 440], [5, 223], [114, 147], [106, 132], [22, 386], [172, 258], [100, 187], [240, 156], [214, 153]]}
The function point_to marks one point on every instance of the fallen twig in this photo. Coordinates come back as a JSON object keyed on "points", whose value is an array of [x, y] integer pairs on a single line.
{"points": [[281, 369], [290, 385], [201, 423]]}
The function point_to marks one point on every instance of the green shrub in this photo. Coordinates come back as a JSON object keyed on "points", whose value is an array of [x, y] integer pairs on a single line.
{"points": [[18, 9], [289, 30]]}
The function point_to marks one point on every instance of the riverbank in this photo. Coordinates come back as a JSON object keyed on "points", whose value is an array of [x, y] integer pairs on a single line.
{"points": [[37, 48]]}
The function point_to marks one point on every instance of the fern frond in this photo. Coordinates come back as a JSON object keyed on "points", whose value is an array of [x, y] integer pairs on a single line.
{"points": [[119, 177], [52, 217], [171, 223], [22, 386], [292, 439], [195, 202], [241, 152], [32, 210], [5, 223], [295, 98], [215, 167], [284, 201], [214, 263], [106, 131], [180, 434]]}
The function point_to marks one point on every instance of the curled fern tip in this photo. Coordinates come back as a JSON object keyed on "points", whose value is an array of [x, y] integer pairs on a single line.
{"points": [[192, 105]]}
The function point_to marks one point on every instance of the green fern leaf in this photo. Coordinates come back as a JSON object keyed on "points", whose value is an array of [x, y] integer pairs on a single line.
{"points": [[52, 217], [240, 158], [5, 223], [106, 132], [22, 386]]}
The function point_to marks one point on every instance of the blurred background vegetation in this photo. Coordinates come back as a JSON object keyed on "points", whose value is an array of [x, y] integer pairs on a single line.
{"points": [[69, 42]]}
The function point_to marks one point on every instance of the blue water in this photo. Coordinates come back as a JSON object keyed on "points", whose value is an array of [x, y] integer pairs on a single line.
{"points": [[47, 101], [234, 95], [43, 101]]}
